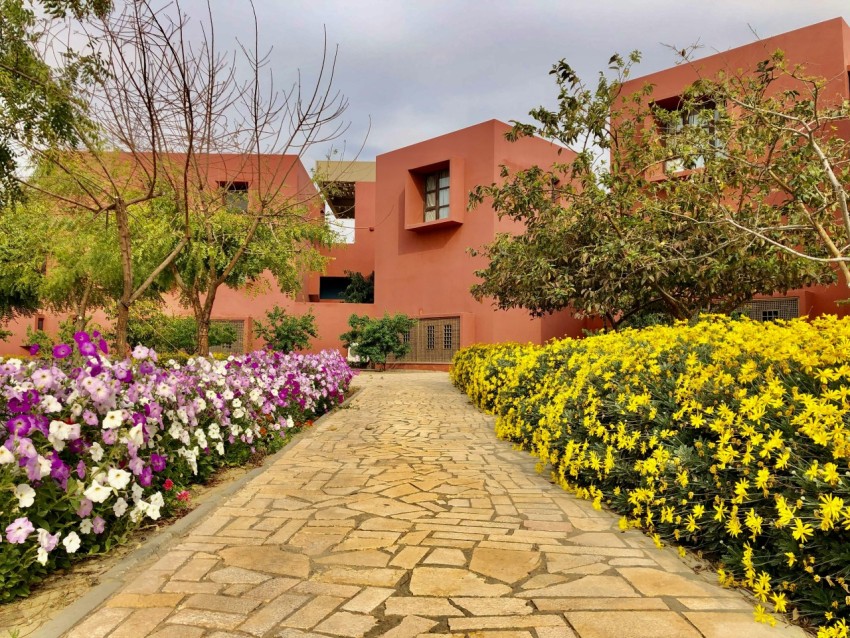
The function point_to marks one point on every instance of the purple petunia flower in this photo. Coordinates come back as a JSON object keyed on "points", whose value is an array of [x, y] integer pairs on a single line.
{"points": [[19, 405], [157, 462], [81, 337], [33, 349], [146, 476], [104, 347], [98, 525], [19, 530], [61, 351], [85, 508], [81, 469], [87, 348]]}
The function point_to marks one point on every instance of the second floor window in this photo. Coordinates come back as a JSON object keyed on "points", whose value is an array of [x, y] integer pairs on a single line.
{"points": [[700, 125], [436, 196]]}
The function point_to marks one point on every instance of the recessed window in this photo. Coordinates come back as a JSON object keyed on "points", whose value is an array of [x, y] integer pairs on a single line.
{"points": [[700, 123], [235, 195], [431, 337], [333, 288], [436, 196], [405, 337], [447, 336], [39, 323]]}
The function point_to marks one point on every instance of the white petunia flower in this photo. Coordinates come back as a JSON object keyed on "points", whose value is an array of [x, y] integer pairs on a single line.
{"points": [[41, 556], [137, 492], [113, 419], [236, 403], [97, 493], [44, 466], [6, 456], [25, 494], [85, 526], [219, 447], [120, 507], [96, 452], [135, 435], [71, 542], [119, 479]]}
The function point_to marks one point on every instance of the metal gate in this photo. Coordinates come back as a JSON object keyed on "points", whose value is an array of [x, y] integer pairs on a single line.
{"points": [[432, 341]]}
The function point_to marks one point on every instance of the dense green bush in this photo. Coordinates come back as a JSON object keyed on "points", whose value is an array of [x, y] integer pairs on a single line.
{"points": [[374, 340], [285, 332]]}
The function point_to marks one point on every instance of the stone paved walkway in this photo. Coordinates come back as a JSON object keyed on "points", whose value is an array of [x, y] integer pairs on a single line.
{"points": [[403, 515]]}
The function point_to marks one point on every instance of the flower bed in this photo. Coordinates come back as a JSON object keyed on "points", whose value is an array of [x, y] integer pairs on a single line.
{"points": [[92, 448], [726, 436]]}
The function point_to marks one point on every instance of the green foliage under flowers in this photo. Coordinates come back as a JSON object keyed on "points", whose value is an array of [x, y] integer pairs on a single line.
{"points": [[376, 339], [284, 332], [727, 436]]}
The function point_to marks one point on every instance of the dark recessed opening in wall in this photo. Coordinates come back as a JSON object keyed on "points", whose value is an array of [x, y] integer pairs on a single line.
{"points": [[333, 288]]}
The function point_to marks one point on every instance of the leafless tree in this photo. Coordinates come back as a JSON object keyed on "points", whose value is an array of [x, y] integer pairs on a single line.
{"points": [[162, 114]]}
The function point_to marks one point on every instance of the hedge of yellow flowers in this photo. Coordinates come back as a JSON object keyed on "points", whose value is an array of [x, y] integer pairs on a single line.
{"points": [[727, 436]]}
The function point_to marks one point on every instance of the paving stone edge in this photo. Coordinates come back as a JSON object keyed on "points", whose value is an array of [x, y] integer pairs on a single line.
{"points": [[113, 579]]}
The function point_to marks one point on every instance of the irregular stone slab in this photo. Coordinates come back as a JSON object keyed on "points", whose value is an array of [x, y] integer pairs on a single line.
{"points": [[445, 556], [655, 582], [437, 581], [363, 558], [384, 507], [567, 562], [233, 575], [723, 624], [493, 606], [505, 622], [543, 580], [633, 624], [601, 586], [267, 559], [596, 539], [507, 565], [420, 606], [410, 627], [373, 577], [347, 624], [598, 604]]}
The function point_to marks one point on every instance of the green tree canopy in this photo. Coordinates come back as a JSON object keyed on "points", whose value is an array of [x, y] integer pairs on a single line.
{"points": [[631, 222]]}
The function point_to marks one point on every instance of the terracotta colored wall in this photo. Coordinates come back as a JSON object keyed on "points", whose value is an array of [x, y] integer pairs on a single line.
{"points": [[428, 272]]}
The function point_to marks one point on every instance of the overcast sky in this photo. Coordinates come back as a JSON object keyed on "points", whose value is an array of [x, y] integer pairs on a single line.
{"points": [[419, 68]]}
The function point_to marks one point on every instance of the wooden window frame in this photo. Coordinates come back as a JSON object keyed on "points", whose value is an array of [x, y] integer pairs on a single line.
{"points": [[438, 176]]}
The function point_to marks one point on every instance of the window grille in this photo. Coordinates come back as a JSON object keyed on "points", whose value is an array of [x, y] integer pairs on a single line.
{"points": [[447, 336], [432, 337], [238, 346], [772, 309]]}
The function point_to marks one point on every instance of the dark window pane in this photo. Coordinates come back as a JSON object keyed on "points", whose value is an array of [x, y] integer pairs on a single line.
{"points": [[432, 337]]}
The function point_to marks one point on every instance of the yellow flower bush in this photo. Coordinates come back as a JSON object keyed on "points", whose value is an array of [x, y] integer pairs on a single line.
{"points": [[728, 436]]}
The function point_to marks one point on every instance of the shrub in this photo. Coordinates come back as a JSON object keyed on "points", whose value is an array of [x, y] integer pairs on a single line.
{"points": [[92, 448], [361, 289], [285, 332], [726, 436], [377, 339]]}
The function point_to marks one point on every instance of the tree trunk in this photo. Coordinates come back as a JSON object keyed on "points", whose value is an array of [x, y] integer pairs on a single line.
{"points": [[122, 325], [82, 307], [122, 321], [203, 347]]}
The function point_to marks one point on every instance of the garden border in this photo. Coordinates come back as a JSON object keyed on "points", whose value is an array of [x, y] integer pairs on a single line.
{"points": [[113, 579]]}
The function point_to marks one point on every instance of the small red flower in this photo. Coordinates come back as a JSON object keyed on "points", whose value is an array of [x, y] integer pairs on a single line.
{"points": [[184, 496], [168, 485]]}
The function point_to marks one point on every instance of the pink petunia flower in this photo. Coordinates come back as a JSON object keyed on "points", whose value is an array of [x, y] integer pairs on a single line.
{"points": [[19, 530]]}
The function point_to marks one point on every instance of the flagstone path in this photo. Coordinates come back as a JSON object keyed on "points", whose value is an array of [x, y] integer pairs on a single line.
{"points": [[401, 516]]}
